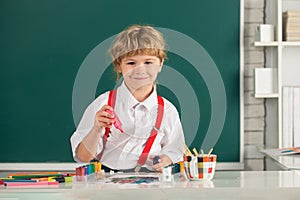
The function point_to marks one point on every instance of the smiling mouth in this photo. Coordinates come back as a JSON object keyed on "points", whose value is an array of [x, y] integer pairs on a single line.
{"points": [[140, 78]]}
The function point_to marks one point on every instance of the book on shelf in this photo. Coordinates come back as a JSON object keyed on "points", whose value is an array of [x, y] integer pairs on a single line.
{"points": [[287, 123], [291, 116], [296, 116], [292, 21], [291, 13], [293, 31], [291, 37], [291, 25]]}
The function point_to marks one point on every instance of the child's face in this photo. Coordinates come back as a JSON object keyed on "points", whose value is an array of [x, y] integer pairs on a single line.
{"points": [[140, 71]]}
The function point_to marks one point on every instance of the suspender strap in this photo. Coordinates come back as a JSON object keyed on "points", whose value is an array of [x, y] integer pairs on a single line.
{"points": [[111, 102], [154, 132]]}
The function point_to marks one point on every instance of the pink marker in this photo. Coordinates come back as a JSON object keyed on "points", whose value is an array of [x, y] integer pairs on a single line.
{"points": [[34, 184], [117, 122]]}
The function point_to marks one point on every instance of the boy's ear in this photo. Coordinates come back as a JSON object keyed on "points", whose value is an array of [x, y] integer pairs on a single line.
{"points": [[161, 64], [118, 69]]}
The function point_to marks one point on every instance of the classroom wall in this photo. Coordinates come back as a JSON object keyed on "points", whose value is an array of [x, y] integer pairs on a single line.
{"points": [[254, 109]]}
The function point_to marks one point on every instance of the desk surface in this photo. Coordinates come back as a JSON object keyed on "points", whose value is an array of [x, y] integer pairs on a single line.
{"points": [[225, 185], [286, 162]]}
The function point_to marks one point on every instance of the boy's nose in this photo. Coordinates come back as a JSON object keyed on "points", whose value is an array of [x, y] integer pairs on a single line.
{"points": [[140, 68]]}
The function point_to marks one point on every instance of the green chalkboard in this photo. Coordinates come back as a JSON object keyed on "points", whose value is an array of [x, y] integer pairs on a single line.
{"points": [[45, 45]]}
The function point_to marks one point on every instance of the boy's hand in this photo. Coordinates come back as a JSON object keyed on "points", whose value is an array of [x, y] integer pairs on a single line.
{"points": [[163, 161], [104, 119]]}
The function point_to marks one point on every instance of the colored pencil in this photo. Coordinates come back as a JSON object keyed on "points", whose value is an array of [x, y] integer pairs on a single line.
{"points": [[42, 179], [187, 150], [31, 184], [202, 152], [31, 173], [195, 151], [20, 180], [210, 151], [29, 176]]}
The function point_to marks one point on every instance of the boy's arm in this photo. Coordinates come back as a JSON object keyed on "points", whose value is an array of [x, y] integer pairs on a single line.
{"points": [[87, 149], [173, 141]]}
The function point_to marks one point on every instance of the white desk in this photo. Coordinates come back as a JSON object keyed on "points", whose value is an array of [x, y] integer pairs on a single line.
{"points": [[285, 162], [226, 185]]}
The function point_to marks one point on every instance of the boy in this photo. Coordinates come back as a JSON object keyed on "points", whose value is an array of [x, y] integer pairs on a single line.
{"points": [[151, 124]]}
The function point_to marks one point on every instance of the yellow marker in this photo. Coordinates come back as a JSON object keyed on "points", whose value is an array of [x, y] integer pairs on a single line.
{"points": [[51, 179], [181, 165], [68, 179]]}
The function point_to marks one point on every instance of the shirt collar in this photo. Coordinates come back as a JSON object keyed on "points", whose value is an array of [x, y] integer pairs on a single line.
{"points": [[131, 102]]}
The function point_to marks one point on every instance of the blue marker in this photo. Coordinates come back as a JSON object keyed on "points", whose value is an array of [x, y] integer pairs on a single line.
{"points": [[156, 160], [20, 180], [287, 151]]}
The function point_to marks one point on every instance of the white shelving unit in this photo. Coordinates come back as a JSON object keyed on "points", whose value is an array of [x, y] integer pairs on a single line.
{"points": [[284, 56]]}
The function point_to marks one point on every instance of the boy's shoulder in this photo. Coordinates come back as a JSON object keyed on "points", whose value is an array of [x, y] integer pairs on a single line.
{"points": [[168, 105], [102, 97]]}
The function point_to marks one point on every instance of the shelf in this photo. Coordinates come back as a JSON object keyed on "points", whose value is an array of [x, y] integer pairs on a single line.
{"points": [[283, 56], [274, 44], [263, 44], [291, 44], [270, 95]]}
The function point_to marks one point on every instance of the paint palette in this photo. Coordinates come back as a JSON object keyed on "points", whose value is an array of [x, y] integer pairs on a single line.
{"points": [[134, 178]]}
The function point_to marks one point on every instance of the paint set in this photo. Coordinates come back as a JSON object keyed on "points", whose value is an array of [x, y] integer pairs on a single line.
{"points": [[89, 173]]}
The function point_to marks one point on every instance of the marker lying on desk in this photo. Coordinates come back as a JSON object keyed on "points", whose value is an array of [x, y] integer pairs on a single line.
{"points": [[30, 176], [31, 173], [20, 181], [44, 183], [117, 122]]}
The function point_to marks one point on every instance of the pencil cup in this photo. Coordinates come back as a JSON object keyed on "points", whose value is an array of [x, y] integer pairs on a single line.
{"points": [[200, 167]]}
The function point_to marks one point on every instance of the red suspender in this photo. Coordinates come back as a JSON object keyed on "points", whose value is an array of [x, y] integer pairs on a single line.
{"points": [[149, 143], [111, 102], [154, 132]]}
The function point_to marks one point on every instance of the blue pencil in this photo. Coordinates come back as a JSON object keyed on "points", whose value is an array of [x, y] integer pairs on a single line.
{"points": [[19, 180]]}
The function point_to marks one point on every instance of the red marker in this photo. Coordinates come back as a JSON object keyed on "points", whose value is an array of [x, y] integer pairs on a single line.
{"points": [[117, 122]]}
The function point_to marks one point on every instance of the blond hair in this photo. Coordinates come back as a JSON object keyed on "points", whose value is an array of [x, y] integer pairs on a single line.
{"points": [[137, 40]]}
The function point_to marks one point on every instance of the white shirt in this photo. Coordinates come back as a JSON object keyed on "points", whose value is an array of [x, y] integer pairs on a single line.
{"points": [[123, 150]]}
